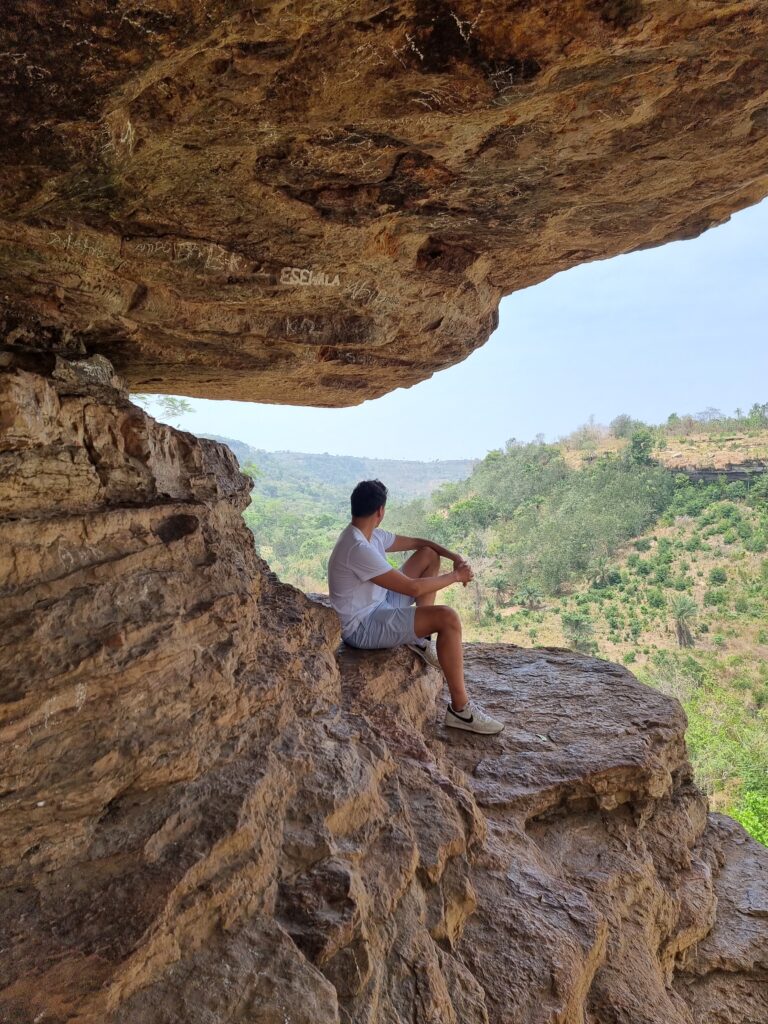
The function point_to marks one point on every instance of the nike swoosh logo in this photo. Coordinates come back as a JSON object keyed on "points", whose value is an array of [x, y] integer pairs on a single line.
{"points": [[467, 720]]}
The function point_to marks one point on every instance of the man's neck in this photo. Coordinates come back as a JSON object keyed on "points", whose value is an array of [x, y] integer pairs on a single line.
{"points": [[365, 526]]}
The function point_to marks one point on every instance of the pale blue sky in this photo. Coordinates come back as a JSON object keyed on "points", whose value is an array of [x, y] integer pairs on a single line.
{"points": [[672, 329]]}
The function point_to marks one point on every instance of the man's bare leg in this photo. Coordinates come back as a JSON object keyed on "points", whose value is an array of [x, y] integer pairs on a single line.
{"points": [[423, 562], [446, 623], [440, 619]]}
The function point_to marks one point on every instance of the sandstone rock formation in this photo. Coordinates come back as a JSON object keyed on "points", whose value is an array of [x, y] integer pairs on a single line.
{"points": [[210, 813], [316, 202]]}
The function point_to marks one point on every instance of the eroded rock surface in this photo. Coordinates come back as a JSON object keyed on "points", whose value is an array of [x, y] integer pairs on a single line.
{"points": [[315, 203], [210, 811]]}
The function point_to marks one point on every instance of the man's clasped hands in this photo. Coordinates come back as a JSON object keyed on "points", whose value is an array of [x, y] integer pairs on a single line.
{"points": [[463, 569]]}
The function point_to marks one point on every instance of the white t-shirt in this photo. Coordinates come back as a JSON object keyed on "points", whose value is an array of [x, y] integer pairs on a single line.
{"points": [[354, 560]]}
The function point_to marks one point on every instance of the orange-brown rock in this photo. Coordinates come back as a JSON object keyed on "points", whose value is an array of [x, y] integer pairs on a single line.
{"points": [[209, 812], [212, 812], [315, 203]]}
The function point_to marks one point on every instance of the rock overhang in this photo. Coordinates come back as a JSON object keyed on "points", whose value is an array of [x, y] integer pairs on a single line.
{"points": [[293, 206]]}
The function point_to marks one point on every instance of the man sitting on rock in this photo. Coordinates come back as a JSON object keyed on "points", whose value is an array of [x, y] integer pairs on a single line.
{"points": [[382, 607]]}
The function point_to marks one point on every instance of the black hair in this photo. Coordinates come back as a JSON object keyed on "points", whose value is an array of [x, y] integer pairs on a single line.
{"points": [[367, 497]]}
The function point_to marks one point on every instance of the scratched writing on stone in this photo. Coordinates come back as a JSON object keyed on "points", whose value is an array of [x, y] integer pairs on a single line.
{"points": [[110, 296], [79, 243], [155, 248], [302, 275], [302, 325], [367, 294], [211, 255]]}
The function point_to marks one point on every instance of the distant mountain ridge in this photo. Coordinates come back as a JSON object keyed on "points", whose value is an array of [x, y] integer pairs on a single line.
{"points": [[404, 478]]}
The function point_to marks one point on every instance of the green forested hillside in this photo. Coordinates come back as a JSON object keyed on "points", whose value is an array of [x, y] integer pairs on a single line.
{"points": [[310, 479]]}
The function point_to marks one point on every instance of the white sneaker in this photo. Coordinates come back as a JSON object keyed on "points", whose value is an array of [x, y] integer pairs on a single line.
{"points": [[473, 719], [427, 651]]}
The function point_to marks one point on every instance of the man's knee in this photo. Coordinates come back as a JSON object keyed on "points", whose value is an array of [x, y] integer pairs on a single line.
{"points": [[433, 560], [448, 618]]}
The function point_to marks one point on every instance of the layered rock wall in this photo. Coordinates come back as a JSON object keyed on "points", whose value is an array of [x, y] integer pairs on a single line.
{"points": [[210, 811]]}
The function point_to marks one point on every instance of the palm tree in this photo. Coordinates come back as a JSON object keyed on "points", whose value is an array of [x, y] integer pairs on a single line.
{"points": [[500, 585], [684, 611], [600, 572], [529, 596]]}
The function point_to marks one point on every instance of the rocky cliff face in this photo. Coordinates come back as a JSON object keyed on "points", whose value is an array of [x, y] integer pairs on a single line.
{"points": [[213, 813], [209, 812], [317, 202]]}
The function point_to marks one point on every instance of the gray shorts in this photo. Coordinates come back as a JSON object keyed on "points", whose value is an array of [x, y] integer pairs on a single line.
{"points": [[388, 625]]}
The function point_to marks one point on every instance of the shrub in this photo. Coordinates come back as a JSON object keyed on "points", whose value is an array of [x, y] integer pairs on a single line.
{"points": [[718, 575], [640, 447], [752, 812], [578, 631], [737, 489], [661, 573]]}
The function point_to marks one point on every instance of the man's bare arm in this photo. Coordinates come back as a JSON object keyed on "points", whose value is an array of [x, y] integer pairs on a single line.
{"points": [[420, 585], [403, 543], [411, 543]]}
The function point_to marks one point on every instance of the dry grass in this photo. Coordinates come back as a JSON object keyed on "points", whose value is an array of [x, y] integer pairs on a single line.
{"points": [[701, 451]]}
